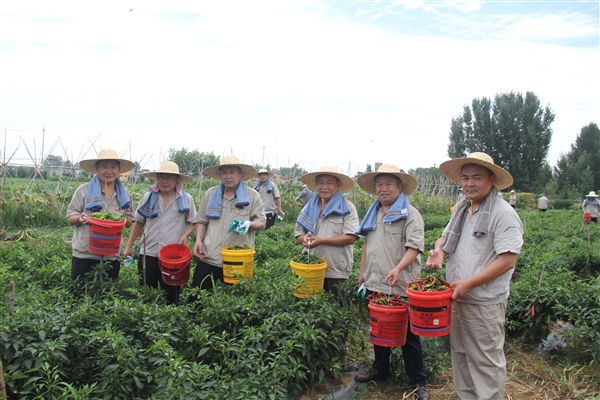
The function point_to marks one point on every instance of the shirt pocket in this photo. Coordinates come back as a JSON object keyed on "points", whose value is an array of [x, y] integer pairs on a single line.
{"points": [[337, 227], [243, 214]]}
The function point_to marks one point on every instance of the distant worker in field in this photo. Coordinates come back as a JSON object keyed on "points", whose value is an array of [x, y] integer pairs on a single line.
{"points": [[271, 198], [590, 206], [394, 235], [512, 199], [229, 214], [327, 224], [481, 243], [104, 193], [542, 204], [305, 195], [163, 214]]}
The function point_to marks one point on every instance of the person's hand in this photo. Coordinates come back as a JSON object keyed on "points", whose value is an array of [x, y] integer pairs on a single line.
{"points": [[461, 288], [312, 241], [435, 259], [129, 252], [83, 219], [281, 214], [182, 240], [198, 251], [242, 228], [392, 277]]}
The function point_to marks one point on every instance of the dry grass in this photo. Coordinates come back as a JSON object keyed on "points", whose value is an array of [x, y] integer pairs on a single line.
{"points": [[528, 377]]}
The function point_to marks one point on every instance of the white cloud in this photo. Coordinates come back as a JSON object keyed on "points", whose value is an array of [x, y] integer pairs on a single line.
{"points": [[360, 12]]}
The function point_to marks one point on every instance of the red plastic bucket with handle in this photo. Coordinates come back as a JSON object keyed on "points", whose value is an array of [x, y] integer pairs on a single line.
{"points": [[388, 325], [175, 264], [587, 218], [430, 312], [105, 237]]}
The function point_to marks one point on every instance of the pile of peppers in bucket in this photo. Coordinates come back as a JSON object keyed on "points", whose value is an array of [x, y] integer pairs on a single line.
{"points": [[428, 284], [383, 299]]}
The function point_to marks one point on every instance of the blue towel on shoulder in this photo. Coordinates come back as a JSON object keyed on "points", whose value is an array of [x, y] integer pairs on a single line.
{"points": [[215, 204], [269, 186], [587, 201], [150, 208], [310, 213], [397, 211], [93, 197]]}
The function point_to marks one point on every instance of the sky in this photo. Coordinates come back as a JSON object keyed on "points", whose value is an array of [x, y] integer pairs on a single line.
{"points": [[311, 83]]}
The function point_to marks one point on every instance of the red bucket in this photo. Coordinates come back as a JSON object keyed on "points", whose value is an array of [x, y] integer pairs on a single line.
{"points": [[430, 312], [388, 325], [175, 264], [105, 236], [587, 218]]}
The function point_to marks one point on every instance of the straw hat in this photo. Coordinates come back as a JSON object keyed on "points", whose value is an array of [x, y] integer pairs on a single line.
{"points": [[248, 171], [310, 179], [452, 169], [264, 171], [169, 167], [367, 180], [512, 191], [89, 165], [592, 194]]}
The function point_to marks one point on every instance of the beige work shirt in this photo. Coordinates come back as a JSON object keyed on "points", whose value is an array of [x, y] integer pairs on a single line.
{"points": [[81, 232], [339, 259], [387, 244], [216, 229], [167, 227], [269, 199]]}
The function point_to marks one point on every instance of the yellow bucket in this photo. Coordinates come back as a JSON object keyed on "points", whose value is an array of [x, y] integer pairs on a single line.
{"points": [[313, 275], [237, 262]]}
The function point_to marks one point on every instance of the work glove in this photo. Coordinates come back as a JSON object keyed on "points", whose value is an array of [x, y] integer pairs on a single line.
{"points": [[362, 290], [238, 227]]}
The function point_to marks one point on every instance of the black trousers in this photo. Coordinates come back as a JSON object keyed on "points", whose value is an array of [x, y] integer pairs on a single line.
{"points": [[412, 354], [154, 278], [80, 266], [270, 219], [203, 274]]}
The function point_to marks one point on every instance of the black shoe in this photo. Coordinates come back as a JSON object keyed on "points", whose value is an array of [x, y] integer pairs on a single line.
{"points": [[371, 375], [422, 393]]}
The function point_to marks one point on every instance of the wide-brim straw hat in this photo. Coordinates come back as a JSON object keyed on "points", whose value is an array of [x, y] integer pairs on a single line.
{"points": [[89, 165], [367, 180], [169, 167], [248, 171], [452, 169], [264, 171], [592, 194], [310, 179]]}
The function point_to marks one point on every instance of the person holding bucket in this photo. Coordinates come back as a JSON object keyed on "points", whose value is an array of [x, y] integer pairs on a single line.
{"points": [[269, 193], [590, 206], [229, 214], [327, 224], [163, 214], [394, 236], [481, 243], [104, 193]]}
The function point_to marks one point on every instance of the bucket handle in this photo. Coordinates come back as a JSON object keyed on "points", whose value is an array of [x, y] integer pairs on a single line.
{"points": [[174, 272], [101, 224]]}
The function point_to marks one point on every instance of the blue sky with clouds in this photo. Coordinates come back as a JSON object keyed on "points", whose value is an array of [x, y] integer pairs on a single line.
{"points": [[312, 83]]}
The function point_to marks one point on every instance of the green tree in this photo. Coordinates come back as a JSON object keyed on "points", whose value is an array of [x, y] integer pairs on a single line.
{"points": [[295, 171], [514, 130], [192, 162], [577, 171]]}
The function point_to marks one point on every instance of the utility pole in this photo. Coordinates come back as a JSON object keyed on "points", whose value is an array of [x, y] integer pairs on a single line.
{"points": [[262, 164]]}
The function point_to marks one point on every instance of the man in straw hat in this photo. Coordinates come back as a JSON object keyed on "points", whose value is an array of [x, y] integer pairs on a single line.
{"points": [[229, 214], [163, 214], [542, 203], [394, 235], [590, 205], [481, 243], [327, 224], [104, 193], [305, 195], [269, 193], [512, 199]]}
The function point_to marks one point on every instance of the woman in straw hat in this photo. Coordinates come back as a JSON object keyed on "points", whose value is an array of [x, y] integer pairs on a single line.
{"points": [[105, 193], [590, 205], [229, 214], [269, 193], [327, 224], [394, 235], [481, 243], [164, 212]]}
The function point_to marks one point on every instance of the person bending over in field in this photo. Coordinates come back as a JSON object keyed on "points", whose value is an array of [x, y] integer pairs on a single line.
{"points": [[163, 214], [105, 193], [481, 243]]}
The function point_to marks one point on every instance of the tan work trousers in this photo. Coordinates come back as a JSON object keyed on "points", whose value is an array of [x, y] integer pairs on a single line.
{"points": [[477, 343]]}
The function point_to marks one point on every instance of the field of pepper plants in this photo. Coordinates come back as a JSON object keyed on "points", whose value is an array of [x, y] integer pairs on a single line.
{"points": [[104, 339]]}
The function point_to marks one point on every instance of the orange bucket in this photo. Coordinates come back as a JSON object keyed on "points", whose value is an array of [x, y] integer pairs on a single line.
{"points": [[430, 312], [175, 264], [105, 236], [388, 325], [587, 218]]}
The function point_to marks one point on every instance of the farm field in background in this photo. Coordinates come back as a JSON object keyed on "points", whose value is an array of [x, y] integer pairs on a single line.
{"points": [[108, 339]]}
